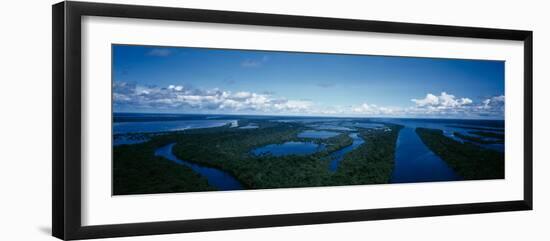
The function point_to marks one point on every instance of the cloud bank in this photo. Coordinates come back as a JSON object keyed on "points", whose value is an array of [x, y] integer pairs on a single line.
{"points": [[449, 105], [443, 101], [179, 98], [176, 97]]}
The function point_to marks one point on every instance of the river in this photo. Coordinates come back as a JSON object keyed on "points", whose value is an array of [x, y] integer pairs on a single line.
{"points": [[338, 156], [414, 162], [216, 177]]}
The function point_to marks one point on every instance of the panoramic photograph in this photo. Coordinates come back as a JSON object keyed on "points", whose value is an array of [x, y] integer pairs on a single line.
{"points": [[188, 119]]}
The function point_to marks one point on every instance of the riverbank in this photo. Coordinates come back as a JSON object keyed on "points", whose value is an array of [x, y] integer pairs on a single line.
{"points": [[468, 160], [136, 170], [477, 139], [415, 162], [372, 162]]}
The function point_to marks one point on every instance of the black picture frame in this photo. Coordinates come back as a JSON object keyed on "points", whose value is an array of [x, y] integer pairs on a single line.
{"points": [[66, 169]]}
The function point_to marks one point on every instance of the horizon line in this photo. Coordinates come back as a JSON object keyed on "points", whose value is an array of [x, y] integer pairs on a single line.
{"points": [[318, 116]]}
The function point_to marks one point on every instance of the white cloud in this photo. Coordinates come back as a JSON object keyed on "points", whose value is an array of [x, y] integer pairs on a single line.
{"points": [[176, 88], [492, 106], [295, 106], [493, 102], [372, 109], [364, 108], [182, 98], [442, 101], [451, 106], [429, 100], [243, 95]]}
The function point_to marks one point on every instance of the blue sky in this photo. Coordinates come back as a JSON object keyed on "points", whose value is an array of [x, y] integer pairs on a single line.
{"points": [[199, 80]]}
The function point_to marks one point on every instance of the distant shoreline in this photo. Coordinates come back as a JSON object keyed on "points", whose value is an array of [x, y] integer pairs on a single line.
{"points": [[305, 116]]}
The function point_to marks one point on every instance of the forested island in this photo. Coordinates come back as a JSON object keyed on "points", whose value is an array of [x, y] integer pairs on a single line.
{"points": [[469, 160]]}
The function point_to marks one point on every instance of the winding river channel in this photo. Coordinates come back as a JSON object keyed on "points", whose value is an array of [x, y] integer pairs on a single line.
{"points": [[216, 177], [414, 162], [225, 181], [338, 156]]}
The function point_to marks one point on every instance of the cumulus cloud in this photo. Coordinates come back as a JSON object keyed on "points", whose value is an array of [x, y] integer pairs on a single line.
{"points": [[495, 102], [451, 106], [492, 106], [178, 96], [184, 98], [442, 101], [375, 110], [428, 101]]}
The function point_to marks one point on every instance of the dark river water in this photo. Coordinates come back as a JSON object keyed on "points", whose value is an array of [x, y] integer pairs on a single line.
{"points": [[338, 156], [306, 148], [289, 148], [216, 178], [318, 134], [163, 126], [414, 162]]}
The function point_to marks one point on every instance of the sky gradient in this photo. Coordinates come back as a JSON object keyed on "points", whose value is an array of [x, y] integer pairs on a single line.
{"points": [[217, 81]]}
